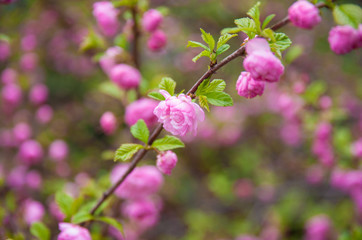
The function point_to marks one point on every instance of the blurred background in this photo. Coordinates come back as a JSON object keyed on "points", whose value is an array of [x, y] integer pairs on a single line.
{"points": [[251, 170]]}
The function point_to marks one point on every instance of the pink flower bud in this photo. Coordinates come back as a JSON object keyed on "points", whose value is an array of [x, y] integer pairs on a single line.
{"points": [[262, 64], [157, 41], [70, 231], [179, 114], [33, 179], [125, 76], [44, 114], [108, 60], [151, 20], [142, 182], [318, 228], [356, 148], [342, 39], [141, 109], [38, 94], [247, 87], [304, 14], [5, 50], [28, 62], [33, 211], [58, 150], [8, 76], [11, 94], [108, 123], [29, 42], [22, 132], [16, 178], [31, 152], [166, 161], [323, 131], [325, 102], [143, 212], [106, 16]]}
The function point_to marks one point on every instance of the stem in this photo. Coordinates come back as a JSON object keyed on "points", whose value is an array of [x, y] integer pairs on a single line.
{"points": [[136, 35], [138, 157]]}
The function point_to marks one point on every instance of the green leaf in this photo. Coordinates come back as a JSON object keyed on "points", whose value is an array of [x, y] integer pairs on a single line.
{"points": [[121, 41], [217, 85], [110, 89], [222, 49], [126, 151], [282, 42], [219, 99], [267, 20], [197, 44], [202, 87], [202, 54], [65, 202], [40, 231], [247, 25], [293, 53], [224, 39], [123, 3], [168, 84], [140, 131], [203, 102], [156, 95], [348, 14], [268, 33], [230, 30], [111, 221], [208, 39], [254, 13], [81, 216], [4, 37], [167, 143], [92, 41]]}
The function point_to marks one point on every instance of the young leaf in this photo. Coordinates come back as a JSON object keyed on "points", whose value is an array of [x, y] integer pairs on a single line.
{"points": [[224, 39], [282, 42], [202, 54], [254, 13], [168, 84], [126, 151], [217, 85], [197, 44], [201, 89], [81, 216], [203, 102], [230, 30], [267, 20], [219, 99], [247, 25], [111, 221], [268, 33], [348, 14], [64, 202], [208, 39], [140, 131], [167, 143], [40, 231], [156, 95], [222, 49]]}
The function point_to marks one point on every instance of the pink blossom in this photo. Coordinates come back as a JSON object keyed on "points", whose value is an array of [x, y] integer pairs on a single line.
{"points": [[356, 148], [342, 39], [318, 228], [11, 94], [262, 64], [247, 87], [38, 94], [44, 114], [70, 231], [179, 114], [16, 178], [33, 211], [291, 133], [315, 174], [28, 42], [325, 102], [8, 76], [151, 20], [33, 179], [243, 188], [358, 42], [106, 16], [143, 212], [108, 123], [31, 152], [29, 61], [125, 76], [109, 59], [142, 182], [55, 211], [5, 50], [304, 14], [166, 161], [157, 41], [246, 237], [141, 109], [22, 132], [58, 150]]}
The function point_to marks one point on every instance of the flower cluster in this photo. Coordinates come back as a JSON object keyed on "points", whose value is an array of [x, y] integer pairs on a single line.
{"points": [[151, 21]]}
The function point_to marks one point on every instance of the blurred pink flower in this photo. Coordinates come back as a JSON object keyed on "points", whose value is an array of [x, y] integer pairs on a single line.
{"points": [[44, 114], [70, 231], [31, 152], [108, 123], [38, 94], [141, 109], [107, 17], [157, 41], [304, 14], [151, 20], [58, 150], [166, 162], [125, 76], [33, 211]]}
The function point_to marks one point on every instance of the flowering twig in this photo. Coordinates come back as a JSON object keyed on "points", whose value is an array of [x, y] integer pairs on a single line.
{"points": [[140, 154]]}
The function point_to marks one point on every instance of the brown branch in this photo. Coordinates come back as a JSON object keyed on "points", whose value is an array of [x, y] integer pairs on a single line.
{"points": [[138, 157]]}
